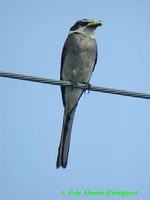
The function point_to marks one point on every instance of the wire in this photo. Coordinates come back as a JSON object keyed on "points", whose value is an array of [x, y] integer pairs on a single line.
{"points": [[76, 85]]}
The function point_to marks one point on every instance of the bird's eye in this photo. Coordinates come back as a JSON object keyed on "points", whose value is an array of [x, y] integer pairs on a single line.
{"points": [[83, 24], [78, 25]]}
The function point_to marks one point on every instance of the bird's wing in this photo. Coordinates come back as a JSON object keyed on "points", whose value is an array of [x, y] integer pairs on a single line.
{"points": [[95, 58], [61, 78]]}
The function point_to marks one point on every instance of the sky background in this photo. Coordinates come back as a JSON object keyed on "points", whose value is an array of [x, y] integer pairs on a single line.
{"points": [[110, 145]]}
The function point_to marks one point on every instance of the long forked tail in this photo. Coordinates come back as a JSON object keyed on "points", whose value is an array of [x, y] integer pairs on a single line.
{"points": [[64, 145]]}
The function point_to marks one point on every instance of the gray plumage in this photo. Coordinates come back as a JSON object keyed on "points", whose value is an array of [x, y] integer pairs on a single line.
{"points": [[78, 60]]}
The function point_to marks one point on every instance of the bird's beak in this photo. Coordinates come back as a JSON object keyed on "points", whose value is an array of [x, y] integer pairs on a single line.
{"points": [[95, 23]]}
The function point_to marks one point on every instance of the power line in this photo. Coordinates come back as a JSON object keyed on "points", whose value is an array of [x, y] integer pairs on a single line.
{"points": [[76, 85]]}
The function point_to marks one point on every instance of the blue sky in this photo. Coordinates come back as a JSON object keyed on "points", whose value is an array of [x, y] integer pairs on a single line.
{"points": [[110, 144]]}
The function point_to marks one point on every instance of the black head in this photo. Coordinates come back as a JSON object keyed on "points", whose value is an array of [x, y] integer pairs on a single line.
{"points": [[85, 23]]}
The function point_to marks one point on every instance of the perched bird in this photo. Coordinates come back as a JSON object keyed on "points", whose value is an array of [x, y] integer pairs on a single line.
{"points": [[78, 60]]}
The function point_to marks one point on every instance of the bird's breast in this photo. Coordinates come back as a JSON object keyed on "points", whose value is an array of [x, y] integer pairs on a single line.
{"points": [[80, 58]]}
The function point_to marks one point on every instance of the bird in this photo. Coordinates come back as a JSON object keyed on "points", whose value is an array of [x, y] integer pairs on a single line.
{"points": [[78, 60]]}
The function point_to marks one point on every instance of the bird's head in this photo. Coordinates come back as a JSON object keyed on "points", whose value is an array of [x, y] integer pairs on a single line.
{"points": [[85, 26]]}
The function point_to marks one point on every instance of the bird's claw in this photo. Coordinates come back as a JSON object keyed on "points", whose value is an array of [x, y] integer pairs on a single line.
{"points": [[73, 84], [87, 87]]}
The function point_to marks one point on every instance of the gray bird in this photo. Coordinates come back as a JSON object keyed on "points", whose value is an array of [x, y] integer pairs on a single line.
{"points": [[78, 60]]}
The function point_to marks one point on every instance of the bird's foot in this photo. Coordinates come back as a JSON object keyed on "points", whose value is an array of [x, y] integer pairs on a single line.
{"points": [[73, 84], [87, 87]]}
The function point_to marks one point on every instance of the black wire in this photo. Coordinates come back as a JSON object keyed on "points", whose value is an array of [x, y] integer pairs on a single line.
{"points": [[78, 85]]}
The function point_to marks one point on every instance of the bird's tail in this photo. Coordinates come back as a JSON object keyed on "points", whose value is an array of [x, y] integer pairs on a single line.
{"points": [[64, 145]]}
